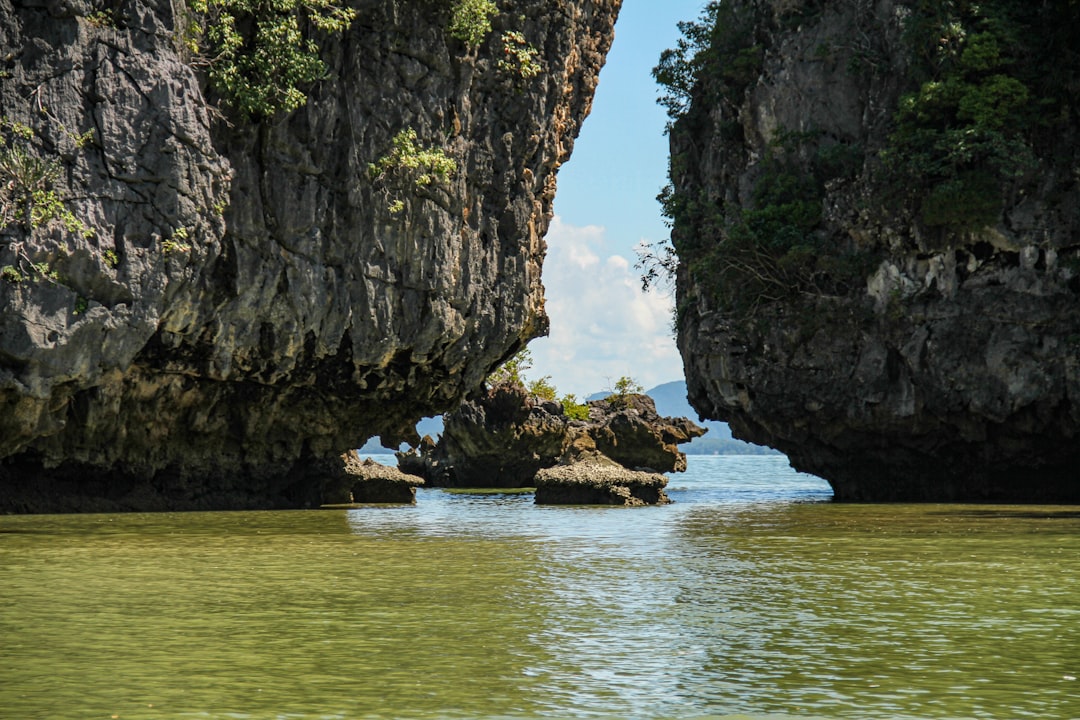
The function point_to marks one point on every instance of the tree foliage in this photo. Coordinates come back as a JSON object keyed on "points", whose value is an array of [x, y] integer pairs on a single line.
{"points": [[992, 89], [410, 166], [720, 43], [470, 20], [261, 54]]}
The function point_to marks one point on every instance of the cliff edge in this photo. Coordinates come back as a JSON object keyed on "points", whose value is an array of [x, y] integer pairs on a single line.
{"points": [[200, 306], [876, 213]]}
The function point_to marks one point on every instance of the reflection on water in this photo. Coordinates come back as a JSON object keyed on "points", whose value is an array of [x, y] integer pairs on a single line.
{"points": [[751, 597]]}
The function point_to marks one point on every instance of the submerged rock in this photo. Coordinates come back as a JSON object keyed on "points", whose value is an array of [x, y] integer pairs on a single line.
{"points": [[243, 298]]}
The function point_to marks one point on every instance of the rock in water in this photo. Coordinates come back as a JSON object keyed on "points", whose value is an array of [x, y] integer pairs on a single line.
{"points": [[505, 437], [596, 480], [881, 282], [230, 301], [357, 481]]}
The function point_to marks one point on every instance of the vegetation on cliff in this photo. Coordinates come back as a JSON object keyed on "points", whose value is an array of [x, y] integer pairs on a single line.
{"points": [[244, 261], [994, 85], [260, 55], [989, 86]]}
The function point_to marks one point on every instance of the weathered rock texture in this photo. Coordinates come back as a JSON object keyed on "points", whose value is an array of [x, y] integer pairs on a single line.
{"points": [[354, 482], [248, 304], [597, 480], [505, 437], [953, 371]]}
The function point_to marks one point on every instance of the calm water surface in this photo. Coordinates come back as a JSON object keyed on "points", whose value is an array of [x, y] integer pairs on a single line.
{"points": [[752, 597]]}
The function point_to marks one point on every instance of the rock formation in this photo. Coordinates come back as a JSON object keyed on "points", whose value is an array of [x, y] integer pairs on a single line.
{"points": [[228, 302], [507, 438], [904, 326], [354, 482], [597, 480]]}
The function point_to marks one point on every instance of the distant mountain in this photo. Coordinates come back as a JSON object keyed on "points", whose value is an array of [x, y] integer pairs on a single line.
{"points": [[670, 399]]}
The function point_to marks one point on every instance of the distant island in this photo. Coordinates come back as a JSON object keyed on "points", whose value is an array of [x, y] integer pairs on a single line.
{"points": [[670, 399]]}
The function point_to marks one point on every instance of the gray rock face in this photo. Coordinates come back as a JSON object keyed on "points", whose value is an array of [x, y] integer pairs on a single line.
{"points": [[249, 303], [951, 372]]}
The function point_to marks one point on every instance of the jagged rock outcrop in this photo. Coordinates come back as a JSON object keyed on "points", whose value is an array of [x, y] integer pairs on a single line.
{"points": [[354, 482], [919, 338], [507, 438], [242, 300]]}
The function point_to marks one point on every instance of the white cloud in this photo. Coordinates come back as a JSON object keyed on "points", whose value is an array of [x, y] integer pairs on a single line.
{"points": [[602, 325]]}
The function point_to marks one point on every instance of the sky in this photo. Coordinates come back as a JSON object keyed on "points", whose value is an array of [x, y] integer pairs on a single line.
{"points": [[603, 326]]}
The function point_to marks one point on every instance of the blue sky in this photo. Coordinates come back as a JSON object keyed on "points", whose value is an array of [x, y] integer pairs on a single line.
{"points": [[602, 325]]}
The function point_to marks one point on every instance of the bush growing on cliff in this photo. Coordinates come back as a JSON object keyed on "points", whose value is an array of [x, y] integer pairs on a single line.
{"points": [[573, 409], [772, 247], [519, 57], [992, 77], [411, 166], [720, 42], [258, 55], [28, 197], [512, 372], [470, 20]]}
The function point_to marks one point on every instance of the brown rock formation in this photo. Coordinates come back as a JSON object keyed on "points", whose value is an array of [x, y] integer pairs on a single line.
{"points": [[506, 438], [594, 479], [355, 481]]}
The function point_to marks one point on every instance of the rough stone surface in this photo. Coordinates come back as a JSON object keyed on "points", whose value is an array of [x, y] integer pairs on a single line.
{"points": [[629, 431], [248, 305], [497, 440], [504, 436], [954, 373], [593, 479], [356, 481]]}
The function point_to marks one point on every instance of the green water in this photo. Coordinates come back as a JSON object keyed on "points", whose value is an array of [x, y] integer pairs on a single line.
{"points": [[722, 605]]}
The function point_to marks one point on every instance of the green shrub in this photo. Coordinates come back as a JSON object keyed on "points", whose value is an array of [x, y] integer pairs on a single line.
{"points": [[409, 166], [518, 56], [512, 372], [258, 53], [718, 54], [968, 201], [627, 386], [542, 388], [970, 126], [574, 409], [11, 274], [27, 196], [470, 20]]}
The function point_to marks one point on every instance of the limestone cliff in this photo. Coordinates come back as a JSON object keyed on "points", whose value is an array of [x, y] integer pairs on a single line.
{"points": [[876, 211], [225, 304]]}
